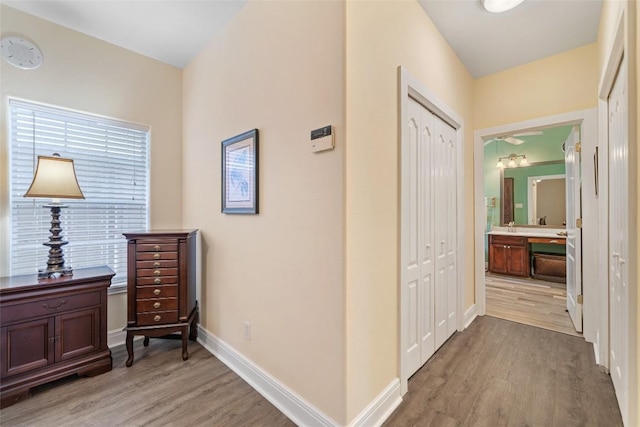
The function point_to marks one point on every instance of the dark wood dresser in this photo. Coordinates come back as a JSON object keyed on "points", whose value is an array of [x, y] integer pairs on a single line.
{"points": [[52, 328], [161, 286]]}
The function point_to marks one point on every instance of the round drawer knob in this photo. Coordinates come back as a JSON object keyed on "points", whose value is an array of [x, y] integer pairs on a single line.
{"points": [[156, 292], [157, 272], [157, 318], [157, 280], [156, 247], [156, 264], [156, 256], [156, 305]]}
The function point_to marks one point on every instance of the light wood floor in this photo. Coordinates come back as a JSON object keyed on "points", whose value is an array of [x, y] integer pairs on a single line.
{"points": [[160, 389], [529, 301], [495, 373], [500, 373]]}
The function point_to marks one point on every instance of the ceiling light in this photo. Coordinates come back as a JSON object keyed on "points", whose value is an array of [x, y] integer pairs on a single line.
{"points": [[496, 6], [524, 161], [500, 164]]}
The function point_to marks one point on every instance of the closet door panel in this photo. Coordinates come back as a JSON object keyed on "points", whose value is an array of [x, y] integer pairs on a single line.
{"points": [[411, 217], [427, 264]]}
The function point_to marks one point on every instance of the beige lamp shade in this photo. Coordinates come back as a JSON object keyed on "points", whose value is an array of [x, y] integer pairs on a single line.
{"points": [[55, 177]]}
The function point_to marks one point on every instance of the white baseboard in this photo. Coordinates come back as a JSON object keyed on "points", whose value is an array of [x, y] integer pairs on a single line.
{"points": [[116, 338], [470, 315], [287, 401], [380, 408]]}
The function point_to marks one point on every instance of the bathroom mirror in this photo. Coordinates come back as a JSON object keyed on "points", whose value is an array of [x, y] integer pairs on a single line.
{"points": [[507, 173], [534, 195]]}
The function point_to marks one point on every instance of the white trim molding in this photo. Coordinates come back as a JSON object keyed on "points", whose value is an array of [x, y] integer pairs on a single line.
{"points": [[470, 315], [116, 337], [380, 408], [286, 400]]}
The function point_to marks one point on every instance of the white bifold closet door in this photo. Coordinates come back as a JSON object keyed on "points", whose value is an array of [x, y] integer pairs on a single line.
{"points": [[429, 234]]}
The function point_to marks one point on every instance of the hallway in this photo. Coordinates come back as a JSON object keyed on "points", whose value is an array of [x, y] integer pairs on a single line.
{"points": [[501, 373]]}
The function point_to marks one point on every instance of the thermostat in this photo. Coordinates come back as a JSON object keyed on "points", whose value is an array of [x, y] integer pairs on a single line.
{"points": [[322, 139]]}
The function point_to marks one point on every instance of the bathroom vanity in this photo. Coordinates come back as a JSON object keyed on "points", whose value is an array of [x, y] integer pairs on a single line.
{"points": [[510, 251]]}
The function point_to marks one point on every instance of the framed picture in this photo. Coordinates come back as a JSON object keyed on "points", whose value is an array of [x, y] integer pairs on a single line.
{"points": [[240, 173]]}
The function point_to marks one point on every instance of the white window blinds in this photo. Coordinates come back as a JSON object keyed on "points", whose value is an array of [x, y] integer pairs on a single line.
{"points": [[112, 165]]}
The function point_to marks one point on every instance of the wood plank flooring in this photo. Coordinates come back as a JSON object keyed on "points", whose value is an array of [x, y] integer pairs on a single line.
{"points": [[529, 301], [495, 373], [501, 373], [160, 389]]}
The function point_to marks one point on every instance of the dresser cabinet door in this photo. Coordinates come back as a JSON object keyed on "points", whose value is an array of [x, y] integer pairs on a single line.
{"points": [[27, 346], [77, 333]]}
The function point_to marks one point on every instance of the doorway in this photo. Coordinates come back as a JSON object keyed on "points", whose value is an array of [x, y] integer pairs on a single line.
{"points": [[532, 187], [586, 120]]}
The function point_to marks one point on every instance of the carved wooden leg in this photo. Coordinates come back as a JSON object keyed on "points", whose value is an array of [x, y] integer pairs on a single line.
{"points": [[129, 349], [185, 353], [146, 341]]}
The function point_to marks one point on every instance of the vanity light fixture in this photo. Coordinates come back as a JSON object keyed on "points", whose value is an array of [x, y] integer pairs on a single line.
{"points": [[497, 6], [513, 161]]}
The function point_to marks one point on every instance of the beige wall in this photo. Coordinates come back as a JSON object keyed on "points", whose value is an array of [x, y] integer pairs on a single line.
{"points": [[86, 74], [279, 67], [380, 37], [558, 84]]}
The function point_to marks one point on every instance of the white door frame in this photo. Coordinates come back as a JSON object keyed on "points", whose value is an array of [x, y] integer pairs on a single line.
{"points": [[411, 86], [614, 55], [587, 120]]}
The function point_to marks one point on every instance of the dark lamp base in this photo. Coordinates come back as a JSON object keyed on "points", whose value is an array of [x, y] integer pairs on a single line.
{"points": [[54, 274]]}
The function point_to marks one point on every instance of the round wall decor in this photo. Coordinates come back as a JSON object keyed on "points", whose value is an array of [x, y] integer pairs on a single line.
{"points": [[21, 53]]}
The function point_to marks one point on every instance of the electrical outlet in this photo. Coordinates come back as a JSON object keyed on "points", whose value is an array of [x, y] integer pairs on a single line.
{"points": [[247, 330]]}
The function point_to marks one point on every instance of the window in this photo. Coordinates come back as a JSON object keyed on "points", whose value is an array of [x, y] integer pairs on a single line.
{"points": [[112, 165]]}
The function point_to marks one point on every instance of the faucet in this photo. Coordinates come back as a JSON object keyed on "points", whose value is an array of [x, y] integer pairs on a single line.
{"points": [[512, 227]]}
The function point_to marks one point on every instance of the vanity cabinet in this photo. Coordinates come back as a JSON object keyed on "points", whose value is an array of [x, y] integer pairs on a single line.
{"points": [[509, 255], [52, 328]]}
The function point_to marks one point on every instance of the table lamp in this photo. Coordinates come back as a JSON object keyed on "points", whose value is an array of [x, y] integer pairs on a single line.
{"points": [[55, 177]]}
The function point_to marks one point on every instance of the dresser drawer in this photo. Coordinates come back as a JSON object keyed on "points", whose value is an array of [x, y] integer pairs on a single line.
{"points": [[157, 272], [165, 246], [147, 319], [48, 306], [507, 240], [145, 292], [154, 256], [156, 304], [157, 264], [161, 280]]}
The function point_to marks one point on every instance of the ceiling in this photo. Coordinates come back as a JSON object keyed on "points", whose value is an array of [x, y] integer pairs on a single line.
{"points": [[171, 31], [174, 31], [490, 42]]}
